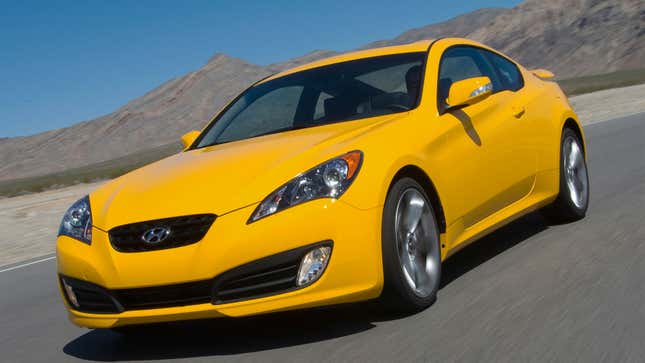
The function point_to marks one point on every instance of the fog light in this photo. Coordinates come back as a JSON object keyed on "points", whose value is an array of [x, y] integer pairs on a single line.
{"points": [[313, 265], [71, 296]]}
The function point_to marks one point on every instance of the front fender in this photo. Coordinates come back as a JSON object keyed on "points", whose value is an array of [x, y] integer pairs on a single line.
{"points": [[391, 149], [371, 187], [568, 115]]}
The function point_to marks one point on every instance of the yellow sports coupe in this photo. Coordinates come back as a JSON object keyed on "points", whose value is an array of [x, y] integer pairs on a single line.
{"points": [[346, 179]]}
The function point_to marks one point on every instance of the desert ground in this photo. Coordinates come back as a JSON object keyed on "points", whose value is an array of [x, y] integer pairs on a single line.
{"points": [[29, 222], [609, 104]]}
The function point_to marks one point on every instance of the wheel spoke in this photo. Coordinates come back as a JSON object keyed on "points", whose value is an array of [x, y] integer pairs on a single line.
{"points": [[574, 192], [567, 152], [426, 233], [413, 213], [417, 242], [421, 277], [574, 156], [410, 271]]}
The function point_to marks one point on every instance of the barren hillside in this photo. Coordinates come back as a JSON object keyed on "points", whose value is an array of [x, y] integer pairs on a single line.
{"points": [[157, 118], [460, 26], [571, 37]]}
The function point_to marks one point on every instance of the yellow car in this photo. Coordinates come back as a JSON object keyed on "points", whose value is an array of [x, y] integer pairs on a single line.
{"points": [[347, 179]]}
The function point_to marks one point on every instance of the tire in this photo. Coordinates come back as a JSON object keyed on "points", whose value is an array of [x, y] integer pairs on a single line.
{"points": [[411, 249], [573, 197]]}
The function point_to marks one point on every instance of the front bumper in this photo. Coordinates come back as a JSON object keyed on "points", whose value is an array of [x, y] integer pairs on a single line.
{"points": [[354, 271]]}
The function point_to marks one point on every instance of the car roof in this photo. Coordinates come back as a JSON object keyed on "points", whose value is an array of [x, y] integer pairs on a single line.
{"points": [[420, 46]]}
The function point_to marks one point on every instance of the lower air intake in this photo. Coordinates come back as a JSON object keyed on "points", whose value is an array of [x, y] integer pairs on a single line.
{"points": [[268, 276]]}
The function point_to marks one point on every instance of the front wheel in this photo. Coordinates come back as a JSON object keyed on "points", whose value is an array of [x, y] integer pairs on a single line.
{"points": [[573, 198], [411, 253]]}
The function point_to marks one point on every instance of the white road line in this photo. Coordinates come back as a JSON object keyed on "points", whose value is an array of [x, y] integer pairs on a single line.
{"points": [[28, 264]]}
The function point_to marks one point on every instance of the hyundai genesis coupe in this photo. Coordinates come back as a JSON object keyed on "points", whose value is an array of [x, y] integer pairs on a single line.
{"points": [[347, 179]]}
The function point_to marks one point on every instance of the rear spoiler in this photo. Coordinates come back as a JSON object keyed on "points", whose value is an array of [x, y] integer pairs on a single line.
{"points": [[542, 73]]}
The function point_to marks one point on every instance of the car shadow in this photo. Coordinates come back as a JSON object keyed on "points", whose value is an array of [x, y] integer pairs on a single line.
{"points": [[221, 337], [491, 245], [468, 126]]}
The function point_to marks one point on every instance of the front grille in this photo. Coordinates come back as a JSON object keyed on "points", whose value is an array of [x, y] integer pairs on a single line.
{"points": [[183, 231], [268, 276], [198, 292]]}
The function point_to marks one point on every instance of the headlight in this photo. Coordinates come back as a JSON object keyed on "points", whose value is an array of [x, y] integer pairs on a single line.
{"points": [[77, 221], [327, 180]]}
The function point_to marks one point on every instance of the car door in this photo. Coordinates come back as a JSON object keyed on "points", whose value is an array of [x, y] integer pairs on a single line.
{"points": [[491, 169], [521, 130]]}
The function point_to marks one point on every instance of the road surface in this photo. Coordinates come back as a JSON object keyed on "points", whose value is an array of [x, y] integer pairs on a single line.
{"points": [[529, 292]]}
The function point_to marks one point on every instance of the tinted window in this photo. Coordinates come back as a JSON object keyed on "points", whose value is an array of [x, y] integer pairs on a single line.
{"points": [[338, 92], [459, 63], [275, 109], [509, 74]]}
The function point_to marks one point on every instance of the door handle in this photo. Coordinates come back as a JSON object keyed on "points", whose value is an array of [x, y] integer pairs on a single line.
{"points": [[518, 111]]}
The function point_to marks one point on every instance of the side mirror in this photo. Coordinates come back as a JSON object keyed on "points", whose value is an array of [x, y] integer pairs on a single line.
{"points": [[188, 138], [542, 73], [469, 91]]}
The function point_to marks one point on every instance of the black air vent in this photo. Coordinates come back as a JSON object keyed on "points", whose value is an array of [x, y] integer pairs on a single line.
{"points": [[268, 276], [265, 282], [198, 292], [91, 298], [182, 231]]}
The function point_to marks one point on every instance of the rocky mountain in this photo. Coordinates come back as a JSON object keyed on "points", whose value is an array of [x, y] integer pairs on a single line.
{"points": [[307, 58], [569, 37], [460, 26], [157, 118]]}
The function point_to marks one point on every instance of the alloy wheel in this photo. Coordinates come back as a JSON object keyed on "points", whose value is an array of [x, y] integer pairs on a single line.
{"points": [[417, 242], [575, 170]]}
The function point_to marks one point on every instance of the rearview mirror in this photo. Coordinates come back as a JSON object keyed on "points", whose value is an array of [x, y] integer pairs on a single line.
{"points": [[188, 138], [469, 91]]}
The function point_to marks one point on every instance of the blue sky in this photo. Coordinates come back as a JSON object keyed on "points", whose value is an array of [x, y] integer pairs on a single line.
{"points": [[62, 62]]}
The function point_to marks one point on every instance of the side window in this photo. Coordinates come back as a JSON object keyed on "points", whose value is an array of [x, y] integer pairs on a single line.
{"points": [[459, 63], [508, 72], [278, 108]]}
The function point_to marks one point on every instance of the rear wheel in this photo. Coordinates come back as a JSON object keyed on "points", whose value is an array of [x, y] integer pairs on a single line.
{"points": [[573, 198], [410, 243]]}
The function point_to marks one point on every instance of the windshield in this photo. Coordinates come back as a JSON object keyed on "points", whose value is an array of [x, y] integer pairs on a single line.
{"points": [[338, 92]]}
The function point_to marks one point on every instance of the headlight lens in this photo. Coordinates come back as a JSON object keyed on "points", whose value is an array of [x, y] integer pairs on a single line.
{"points": [[77, 221], [327, 180]]}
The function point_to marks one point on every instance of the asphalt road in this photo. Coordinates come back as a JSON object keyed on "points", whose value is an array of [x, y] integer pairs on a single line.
{"points": [[529, 292]]}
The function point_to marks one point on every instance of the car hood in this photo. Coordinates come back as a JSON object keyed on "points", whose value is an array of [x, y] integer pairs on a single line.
{"points": [[222, 178]]}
